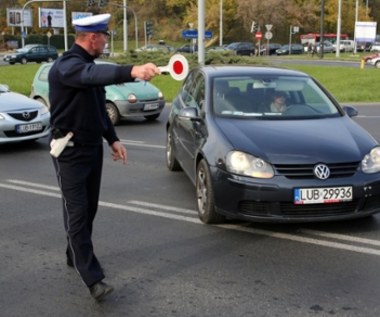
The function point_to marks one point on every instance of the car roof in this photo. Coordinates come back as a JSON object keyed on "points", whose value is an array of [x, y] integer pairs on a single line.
{"points": [[232, 70]]}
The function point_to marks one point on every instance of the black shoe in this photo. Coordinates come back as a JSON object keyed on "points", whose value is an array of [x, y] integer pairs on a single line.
{"points": [[100, 290]]}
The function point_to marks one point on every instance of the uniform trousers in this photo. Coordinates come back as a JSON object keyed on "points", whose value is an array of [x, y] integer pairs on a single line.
{"points": [[79, 170]]}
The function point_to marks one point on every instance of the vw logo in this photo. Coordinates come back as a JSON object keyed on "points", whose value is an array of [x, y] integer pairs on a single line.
{"points": [[26, 115], [321, 171]]}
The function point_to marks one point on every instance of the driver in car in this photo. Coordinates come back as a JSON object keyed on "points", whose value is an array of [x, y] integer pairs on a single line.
{"points": [[279, 102]]}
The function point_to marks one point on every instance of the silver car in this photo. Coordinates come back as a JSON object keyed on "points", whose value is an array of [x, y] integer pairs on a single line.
{"points": [[21, 118]]}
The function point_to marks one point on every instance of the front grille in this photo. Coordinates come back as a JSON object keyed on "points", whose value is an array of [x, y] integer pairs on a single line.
{"points": [[24, 116], [306, 171], [288, 209]]}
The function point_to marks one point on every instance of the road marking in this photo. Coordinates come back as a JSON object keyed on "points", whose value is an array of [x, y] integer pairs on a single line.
{"points": [[142, 144], [165, 212]]}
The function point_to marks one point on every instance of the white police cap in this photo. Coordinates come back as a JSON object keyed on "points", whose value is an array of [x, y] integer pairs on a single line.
{"points": [[94, 23]]}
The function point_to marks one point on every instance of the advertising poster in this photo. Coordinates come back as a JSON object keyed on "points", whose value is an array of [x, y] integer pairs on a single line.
{"points": [[365, 31], [14, 17], [79, 15], [51, 18]]}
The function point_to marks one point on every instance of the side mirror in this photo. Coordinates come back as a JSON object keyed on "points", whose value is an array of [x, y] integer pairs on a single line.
{"points": [[190, 113], [350, 111]]}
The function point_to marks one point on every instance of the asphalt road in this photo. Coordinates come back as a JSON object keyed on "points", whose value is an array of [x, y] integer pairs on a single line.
{"points": [[162, 261]]}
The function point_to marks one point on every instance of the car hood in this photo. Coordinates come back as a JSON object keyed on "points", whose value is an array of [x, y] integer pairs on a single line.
{"points": [[142, 90], [15, 101], [299, 141]]}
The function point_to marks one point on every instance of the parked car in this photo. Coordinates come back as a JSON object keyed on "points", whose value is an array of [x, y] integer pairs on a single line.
{"points": [[273, 47], [32, 53], [217, 49], [373, 59], [294, 49], [327, 47], [345, 46], [156, 48], [311, 162], [241, 48], [363, 46], [187, 48], [21, 118], [375, 47], [133, 99]]}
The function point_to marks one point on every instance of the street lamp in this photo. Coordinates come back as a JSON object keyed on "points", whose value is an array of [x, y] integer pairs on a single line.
{"points": [[221, 24]]}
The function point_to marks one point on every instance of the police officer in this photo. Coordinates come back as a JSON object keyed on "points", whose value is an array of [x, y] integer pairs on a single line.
{"points": [[77, 98]]}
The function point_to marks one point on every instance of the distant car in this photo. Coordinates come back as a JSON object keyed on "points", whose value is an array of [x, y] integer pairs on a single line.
{"points": [[295, 49], [217, 49], [156, 48], [373, 59], [272, 48], [345, 46], [32, 53], [187, 48], [363, 46], [241, 48], [133, 99], [21, 118], [327, 47], [311, 162], [375, 47]]}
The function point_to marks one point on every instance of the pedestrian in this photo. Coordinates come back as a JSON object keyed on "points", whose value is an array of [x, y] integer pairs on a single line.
{"points": [[77, 98]]}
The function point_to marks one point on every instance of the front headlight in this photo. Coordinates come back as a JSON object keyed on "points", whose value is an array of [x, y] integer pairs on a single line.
{"points": [[1, 117], [160, 95], [371, 162], [248, 165], [132, 98], [44, 109]]}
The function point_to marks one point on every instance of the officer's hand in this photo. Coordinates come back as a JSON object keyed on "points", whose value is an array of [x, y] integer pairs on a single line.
{"points": [[119, 152], [145, 72]]}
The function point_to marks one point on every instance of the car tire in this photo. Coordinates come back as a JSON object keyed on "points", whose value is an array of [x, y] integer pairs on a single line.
{"points": [[171, 161], [152, 117], [205, 195], [113, 113], [377, 64], [24, 60]]}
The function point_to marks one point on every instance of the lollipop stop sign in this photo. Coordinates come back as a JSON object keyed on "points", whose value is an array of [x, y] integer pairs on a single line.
{"points": [[178, 67]]}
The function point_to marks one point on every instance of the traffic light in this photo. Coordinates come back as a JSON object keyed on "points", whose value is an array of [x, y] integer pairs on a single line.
{"points": [[253, 27], [149, 28], [102, 3]]}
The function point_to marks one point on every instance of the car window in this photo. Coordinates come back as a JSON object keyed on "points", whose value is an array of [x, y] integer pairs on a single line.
{"points": [[258, 97]]}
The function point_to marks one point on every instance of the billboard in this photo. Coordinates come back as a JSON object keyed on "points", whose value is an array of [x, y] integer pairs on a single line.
{"points": [[14, 17], [365, 31], [50, 18], [79, 15]]}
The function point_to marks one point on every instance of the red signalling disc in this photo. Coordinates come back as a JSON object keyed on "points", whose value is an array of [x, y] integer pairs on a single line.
{"points": [[178, 67]]}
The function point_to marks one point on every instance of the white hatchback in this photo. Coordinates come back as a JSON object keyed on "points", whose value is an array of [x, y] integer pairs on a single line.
{"points": [[21, 118]]}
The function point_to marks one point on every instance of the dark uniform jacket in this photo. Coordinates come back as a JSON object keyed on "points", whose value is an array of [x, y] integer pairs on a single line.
{"points": [[77, 96]]}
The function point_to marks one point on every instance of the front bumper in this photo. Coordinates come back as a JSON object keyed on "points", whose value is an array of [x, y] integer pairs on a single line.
{"points": [[273, 200], [140, 109]]}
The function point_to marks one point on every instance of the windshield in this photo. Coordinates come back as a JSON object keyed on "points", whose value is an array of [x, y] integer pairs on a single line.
{"points": [[271, 97]]}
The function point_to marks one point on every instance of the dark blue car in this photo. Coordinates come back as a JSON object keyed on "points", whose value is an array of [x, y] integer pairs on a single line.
{"points": [[270, 145]]}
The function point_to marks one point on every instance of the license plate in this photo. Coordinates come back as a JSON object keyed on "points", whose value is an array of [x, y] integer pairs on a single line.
{"points": [[31, 127], [151, 106], [325, 195]]}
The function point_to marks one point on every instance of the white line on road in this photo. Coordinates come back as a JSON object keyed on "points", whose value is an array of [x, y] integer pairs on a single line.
{"points": [[45, 190], [142, 143]]}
